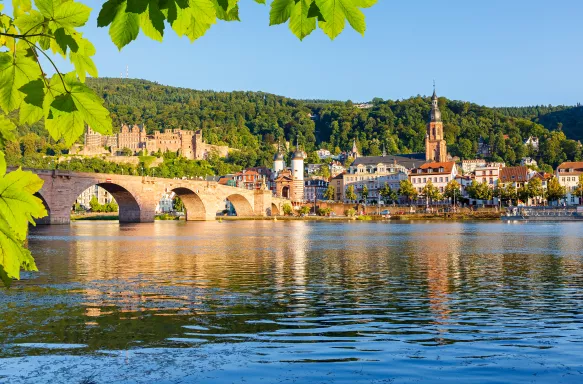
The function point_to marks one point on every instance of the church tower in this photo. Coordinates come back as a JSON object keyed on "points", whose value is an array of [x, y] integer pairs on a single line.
{"points": [[278, 161], [435, 146], [297, 165]]}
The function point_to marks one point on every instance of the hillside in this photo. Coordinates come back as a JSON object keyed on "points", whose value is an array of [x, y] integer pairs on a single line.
{"points": [[253, 121]]}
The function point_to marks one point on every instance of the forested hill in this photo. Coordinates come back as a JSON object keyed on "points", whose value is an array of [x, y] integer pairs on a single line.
{"points": [[253, 120], [569, 119]]}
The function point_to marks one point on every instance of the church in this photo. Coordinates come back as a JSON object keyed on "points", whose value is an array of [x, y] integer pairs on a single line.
{"points": [[435, 146]]}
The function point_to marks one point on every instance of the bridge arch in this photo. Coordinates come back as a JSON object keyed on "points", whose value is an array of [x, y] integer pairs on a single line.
{"points": [[47, 219], [129, 208], [243, 207], [195, 208], [274, 210]]}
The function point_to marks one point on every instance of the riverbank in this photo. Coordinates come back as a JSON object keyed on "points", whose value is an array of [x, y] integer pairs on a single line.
{"points": [[479, 215], [94, 216]]}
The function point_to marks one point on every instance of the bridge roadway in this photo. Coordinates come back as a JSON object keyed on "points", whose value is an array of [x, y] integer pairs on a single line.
{"points": [[137, 196]]}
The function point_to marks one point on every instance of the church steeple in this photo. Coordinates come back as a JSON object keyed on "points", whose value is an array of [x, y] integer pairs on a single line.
{"points": [[435, 112], [435, 146]]}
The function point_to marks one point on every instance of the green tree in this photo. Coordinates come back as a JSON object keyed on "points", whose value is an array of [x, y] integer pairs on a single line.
{"points": [[350, 195], [94, 204], [287, 209], [178, 204], [431, 192], [364, 193], [452, 191], [406, 189], [555, 191], [388, 194], [329, 194], [534, 188], [579, 189], [304, 210]]}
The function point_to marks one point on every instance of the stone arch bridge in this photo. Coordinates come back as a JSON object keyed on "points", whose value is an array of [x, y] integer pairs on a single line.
{"points": [[137, 196]]}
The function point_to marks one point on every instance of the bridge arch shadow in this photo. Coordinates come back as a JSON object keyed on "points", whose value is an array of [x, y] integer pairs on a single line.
{"points": [[47, 219], [242, 206], [129, 208], [274, 210], [194, 207]]}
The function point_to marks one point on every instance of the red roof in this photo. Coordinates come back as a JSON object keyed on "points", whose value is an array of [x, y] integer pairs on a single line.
{"points": [[510, 174], [447, 167], [576, 166]]}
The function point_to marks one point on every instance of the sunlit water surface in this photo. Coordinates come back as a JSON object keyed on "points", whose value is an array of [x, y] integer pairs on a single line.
{"points": [[261, 301]]}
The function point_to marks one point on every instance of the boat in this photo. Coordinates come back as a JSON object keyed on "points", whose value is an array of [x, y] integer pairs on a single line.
{"points": [[559, 213]]}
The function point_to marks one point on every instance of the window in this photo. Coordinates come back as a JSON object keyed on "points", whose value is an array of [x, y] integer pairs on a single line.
{"points": [[446, 179], [441, 179], [424, 180]]}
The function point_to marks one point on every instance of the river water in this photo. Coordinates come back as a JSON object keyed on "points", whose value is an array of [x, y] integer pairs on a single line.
{"points": [[297, 302]]}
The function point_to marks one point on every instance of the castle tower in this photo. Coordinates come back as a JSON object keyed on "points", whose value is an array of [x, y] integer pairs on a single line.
{"points": [[435, 145], [297, 165], [278, 161]]}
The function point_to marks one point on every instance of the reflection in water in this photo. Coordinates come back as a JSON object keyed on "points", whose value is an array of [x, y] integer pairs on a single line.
{"points": [[341, 302]]}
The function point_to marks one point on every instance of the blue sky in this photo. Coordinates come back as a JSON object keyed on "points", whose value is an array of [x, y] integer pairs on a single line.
{"points": [[495, 53]]}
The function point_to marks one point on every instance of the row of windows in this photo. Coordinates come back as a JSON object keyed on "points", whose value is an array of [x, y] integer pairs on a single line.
{"points": [[370, 178], [483, 173], [569, 178], [417, 180]]}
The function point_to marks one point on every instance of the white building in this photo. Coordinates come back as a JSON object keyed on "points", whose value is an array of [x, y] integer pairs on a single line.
{"points": [[439, 173], [165, 204], [568, 175], [315, 188], [323, 153], [103, 197], [373, 172], [528, 162], [336, 168], [469, 166], [489, 174], [532, 141], [313, 168]]}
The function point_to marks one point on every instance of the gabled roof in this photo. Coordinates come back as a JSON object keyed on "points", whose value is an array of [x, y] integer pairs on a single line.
{"points": [[435, 167], [519, 173], [577, 166]]}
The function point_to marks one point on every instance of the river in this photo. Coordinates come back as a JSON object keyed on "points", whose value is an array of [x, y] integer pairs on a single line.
{"points": [[285, 302]]}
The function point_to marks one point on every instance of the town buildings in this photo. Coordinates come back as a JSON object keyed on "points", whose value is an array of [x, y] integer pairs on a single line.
{"points": [[568, 176], [439, 173], [315, 188], [289, 182], [103, 197], [488, 173], [469, 166], [517, 176], [189, 144], [373, 172]]}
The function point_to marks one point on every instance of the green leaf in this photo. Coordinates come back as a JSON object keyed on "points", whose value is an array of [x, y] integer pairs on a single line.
{"points": [[13, 255], [108, 12], [82, 60], [187, 25], [15, 71], [2, 164], [47, 7], [7, 129], [31, 109], [124, 28], [30, 23], [367, 3], [152, 22], [336, 12], [280, 11], [300, 23], [260, 1], [137, 6], [18, 205], [64, 41], [203, 11], [70, 14], [314, 11]]}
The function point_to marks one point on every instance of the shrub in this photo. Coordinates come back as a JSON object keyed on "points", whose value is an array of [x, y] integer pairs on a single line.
{"points": [[287, 209], [324, 211], [351, 212]]}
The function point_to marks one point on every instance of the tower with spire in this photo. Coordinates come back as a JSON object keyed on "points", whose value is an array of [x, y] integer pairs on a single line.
{"points": [[354, 152], [435, 145]]}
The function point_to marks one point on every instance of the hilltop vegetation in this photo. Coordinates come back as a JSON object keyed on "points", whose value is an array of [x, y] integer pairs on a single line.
{"points": [[254, 121]]}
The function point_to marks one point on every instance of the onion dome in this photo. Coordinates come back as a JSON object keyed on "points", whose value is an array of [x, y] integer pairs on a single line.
{"points": [[278, 156], [298, 155]]}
